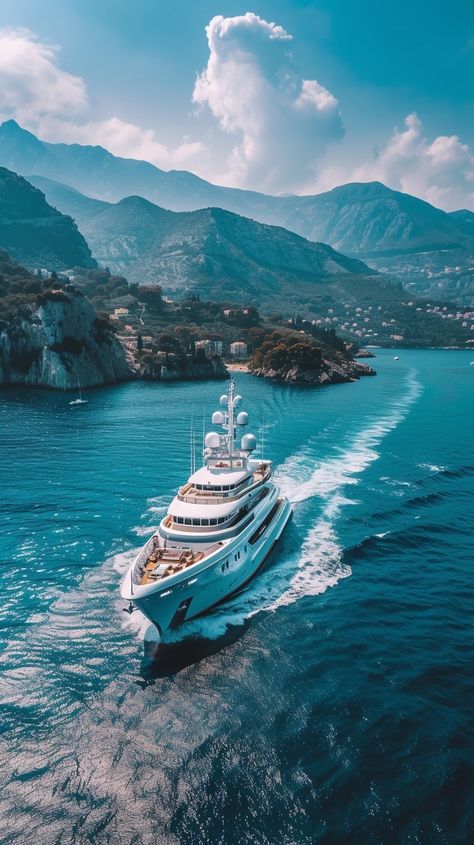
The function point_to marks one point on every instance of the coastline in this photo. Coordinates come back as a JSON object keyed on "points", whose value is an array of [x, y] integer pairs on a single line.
{"points": [[237, 367]]}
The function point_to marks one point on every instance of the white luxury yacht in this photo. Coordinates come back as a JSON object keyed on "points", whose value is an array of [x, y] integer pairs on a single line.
{"points": [[218, 531]]}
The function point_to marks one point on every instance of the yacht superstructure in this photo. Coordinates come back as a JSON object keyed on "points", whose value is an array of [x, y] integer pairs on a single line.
{"points": [[218, 530]]}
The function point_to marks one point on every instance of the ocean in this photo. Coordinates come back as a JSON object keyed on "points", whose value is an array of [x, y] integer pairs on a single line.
{"points": [[330, 702]]}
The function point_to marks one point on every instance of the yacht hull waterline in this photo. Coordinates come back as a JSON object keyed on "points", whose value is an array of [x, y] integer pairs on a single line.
{"points": [[218, 531]]}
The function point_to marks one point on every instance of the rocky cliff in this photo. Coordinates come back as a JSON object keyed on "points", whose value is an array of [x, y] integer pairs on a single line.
{"points": [[59, 342]]}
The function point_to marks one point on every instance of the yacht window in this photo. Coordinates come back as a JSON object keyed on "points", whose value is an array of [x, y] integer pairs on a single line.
{"points": [[213, 521], [188, 521], [204, 522]]}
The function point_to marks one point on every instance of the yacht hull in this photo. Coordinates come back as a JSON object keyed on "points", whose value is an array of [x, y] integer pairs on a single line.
{"points": [[195, 593]]}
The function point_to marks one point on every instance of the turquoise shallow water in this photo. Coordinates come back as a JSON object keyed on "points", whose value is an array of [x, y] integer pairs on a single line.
{"points": [[331, 702]]}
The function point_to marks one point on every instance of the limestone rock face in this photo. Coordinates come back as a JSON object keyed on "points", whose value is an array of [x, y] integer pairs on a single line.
{"points": [[61, 343]]}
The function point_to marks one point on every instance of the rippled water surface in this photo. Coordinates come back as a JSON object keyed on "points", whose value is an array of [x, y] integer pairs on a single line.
{"points": [[331, 702]]}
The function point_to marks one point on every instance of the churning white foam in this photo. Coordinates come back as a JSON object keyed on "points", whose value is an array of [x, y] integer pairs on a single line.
{"points": [[320, 564]]}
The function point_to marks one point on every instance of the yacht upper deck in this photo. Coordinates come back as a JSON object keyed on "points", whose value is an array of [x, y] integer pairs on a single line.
{"points": [[210, 488]]}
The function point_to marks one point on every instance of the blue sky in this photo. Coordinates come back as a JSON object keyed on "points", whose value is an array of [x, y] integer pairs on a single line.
{"points": [[378, 63]]}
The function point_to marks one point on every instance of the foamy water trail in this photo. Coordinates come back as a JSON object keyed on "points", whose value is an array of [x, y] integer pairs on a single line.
{"points": [[342, 469], [320, 564]]}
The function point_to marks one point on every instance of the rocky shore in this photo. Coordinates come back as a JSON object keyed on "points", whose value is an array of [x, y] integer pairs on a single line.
{"points": [[170, 367], [62, 344], [331, 371]]}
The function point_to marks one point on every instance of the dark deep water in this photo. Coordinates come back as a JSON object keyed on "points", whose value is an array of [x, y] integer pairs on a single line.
{"points": [[332, 702]]}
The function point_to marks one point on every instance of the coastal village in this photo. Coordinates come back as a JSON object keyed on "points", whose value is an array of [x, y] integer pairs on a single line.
{"points": [[223, 331]]}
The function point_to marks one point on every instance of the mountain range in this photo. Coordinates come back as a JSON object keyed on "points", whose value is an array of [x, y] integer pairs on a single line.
{"points": [[358, 218], [429, 250], [213, 252], [33, 232]]}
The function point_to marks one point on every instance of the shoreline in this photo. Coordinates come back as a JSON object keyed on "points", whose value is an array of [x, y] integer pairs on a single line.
{"points": [[237, 367]]}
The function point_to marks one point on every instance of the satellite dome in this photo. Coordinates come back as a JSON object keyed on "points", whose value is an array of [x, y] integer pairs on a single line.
{"points": [[248, 442], [212, 440], [237, 400], [224, 400], [217, 418], [242, 418]]}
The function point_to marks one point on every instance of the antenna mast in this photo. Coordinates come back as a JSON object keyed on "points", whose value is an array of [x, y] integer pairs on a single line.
{"points": [[192, 445], [230, 433]]}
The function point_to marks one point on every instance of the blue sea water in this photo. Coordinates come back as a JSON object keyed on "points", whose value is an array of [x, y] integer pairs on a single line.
{"points": [[331, 702]]}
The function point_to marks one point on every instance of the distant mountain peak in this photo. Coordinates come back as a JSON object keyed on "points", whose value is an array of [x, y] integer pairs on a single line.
{"points": [[10, 128]]}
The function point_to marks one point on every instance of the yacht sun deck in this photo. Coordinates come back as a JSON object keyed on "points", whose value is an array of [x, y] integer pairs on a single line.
{"points": [[213, 492], [161, 562]]}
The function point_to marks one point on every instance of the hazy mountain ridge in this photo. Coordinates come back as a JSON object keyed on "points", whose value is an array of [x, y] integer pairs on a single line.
{"points": [[357, 218], [392, 231], [369, 218], [217, 254], [33, 232]]}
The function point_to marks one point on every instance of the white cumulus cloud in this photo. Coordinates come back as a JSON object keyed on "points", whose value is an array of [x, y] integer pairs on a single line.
{"points": [[46, 99], [32, 85], [282, 122], [128, 140], [440, 171]]}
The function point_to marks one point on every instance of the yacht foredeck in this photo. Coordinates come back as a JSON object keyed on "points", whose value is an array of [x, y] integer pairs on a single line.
{"points": [[162, 563]]}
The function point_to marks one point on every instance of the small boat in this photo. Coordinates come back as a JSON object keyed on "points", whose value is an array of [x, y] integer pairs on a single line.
{"points": [[79, 400], [396, 358], [218, 531]]}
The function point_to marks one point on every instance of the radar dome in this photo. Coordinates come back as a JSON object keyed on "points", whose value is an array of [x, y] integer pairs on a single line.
{"points": [[217, 418], [212, 440], [248, 442], [237, 400], [242, 418], [224, 400]]}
